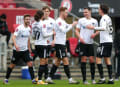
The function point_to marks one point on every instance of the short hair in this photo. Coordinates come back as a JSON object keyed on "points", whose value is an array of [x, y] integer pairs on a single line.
{"points": [[39, 14], [104, 8], [87, 8], [3, 16], [26, 15], [62, 9], [46, 7]]}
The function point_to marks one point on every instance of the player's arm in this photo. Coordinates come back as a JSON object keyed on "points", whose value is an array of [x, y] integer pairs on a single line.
{"points": [[67, 27], [101, 28], [45, 33], [29, 47], [33, 32], [78, 35], [96, 32], [54, 39], [77, 32], [16, 33]]}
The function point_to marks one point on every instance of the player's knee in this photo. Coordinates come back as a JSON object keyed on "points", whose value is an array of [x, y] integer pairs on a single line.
{"points": [[108, 62], [92, 60], [66, 62], [84, 59], [98, 61], [42, 61], [12, 66], [57, 63]]}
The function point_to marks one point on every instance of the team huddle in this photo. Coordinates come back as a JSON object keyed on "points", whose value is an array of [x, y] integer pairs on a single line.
{"points": [[50, 33]]}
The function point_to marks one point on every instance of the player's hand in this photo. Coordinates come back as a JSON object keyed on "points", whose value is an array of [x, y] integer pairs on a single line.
{"points": [[93, 36], [54, 33], [53, 43], [17, 48], [82, 41], [74, 23], [30, 50], [48, 41], [90, 27]]}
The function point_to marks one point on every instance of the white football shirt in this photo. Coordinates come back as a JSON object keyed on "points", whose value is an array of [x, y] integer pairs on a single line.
{"points": [[39, 30], [84, 32], [22, 34], [107, 29], [61, 29], [50, 25]]}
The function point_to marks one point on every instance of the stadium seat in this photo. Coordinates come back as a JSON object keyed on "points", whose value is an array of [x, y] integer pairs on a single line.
{"points": [[2, 5], [15, 26], [11, 5], [73, 44]]}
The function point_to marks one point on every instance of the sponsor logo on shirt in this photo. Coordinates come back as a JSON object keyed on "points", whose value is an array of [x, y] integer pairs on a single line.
{"points": [[44, 26], [59, 23]]}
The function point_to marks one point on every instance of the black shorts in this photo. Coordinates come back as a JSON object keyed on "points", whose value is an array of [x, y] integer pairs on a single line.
{"points": [[104, 50], [86, 50], [41, 51], [49, 51], [24, 55], [60, 51], [77, 49]]}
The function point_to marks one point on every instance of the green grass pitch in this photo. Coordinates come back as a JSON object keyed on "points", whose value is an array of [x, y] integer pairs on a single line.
{"points": [[59, 83]]}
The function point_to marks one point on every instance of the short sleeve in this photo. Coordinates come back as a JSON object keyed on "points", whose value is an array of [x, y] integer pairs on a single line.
{"points": [[96, 23], [79, 24], [17, 31]]}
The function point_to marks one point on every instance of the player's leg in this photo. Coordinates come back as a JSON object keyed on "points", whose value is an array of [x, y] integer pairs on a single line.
{"points": [[26, 57], [46, 65], [100, 52], [92, 62], [8, 73], [31, 71], [14, 61], [67, 71], [53, 70], [41, 70], [83, 68], [63, 56], [100, 70], [84, 52], [46, 69], [92, 69], [109, 67], [107, 55], [41, 51]]}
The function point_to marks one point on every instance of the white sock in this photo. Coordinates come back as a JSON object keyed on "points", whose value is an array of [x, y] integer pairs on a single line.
{"points": [[6, 79], [103, 79], [110, 79], [39, 80], [70, 79], [49, 78]]}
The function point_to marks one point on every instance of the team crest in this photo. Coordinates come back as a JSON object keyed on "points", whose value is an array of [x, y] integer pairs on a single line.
{"points": [[44, 26], [59, 23]]}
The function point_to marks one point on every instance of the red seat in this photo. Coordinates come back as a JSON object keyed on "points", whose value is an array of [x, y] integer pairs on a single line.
{"points": [[73, 44], [2, 5], [15, 26], [11, 5]]}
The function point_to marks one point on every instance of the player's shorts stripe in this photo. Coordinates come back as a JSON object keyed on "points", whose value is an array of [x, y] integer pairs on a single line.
{"points": [[102, 50], [60, 53]]}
